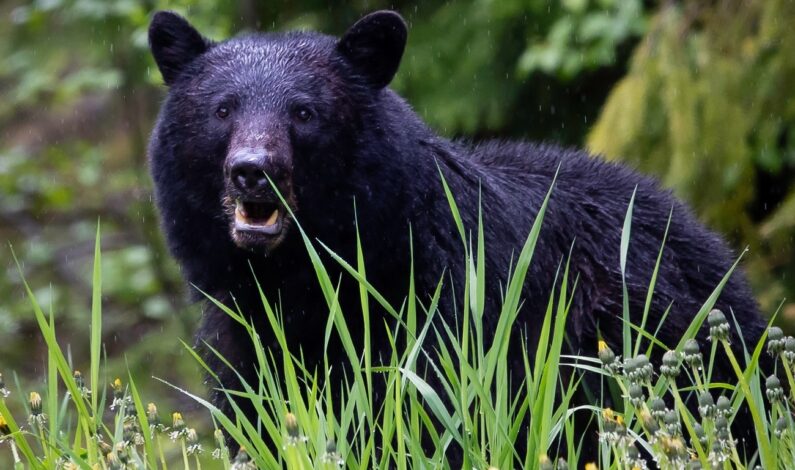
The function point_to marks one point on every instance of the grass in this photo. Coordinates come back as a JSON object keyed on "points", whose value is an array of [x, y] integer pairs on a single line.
{"points": [[445, 386]]}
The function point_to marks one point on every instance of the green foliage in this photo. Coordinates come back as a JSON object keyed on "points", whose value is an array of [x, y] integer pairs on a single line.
{"points": [[480, 75], [68, 427], [584, 35], [457, 394], [702, 107]]}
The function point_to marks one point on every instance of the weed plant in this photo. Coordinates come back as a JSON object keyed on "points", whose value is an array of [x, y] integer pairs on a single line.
{"points": [[80, 422]]}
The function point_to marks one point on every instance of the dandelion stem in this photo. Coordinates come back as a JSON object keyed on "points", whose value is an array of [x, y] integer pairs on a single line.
{"points": [[185, 460], [91, 444], [790, 379], [697, 377], [160, 451], [15, 453], [684, 413], [44, 448], [765, 454]]}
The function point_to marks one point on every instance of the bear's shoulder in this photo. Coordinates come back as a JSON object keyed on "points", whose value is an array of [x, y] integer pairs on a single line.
{"points": [[529, 158]]}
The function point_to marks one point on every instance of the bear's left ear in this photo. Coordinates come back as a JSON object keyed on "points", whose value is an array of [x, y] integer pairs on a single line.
{"points": [[174, 44], [374, 46]]}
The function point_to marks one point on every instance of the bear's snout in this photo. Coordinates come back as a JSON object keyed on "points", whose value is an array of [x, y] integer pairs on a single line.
{"points": [[255, 180], [251, 171], [247, 170]]}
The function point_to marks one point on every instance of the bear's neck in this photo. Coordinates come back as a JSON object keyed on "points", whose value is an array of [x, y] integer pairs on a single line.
{"points": [[402, 161]]}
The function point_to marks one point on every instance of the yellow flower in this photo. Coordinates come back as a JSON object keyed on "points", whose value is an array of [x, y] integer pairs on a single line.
{"points": [[4, 429], [35, 403], [177, 421], [151, 413]]}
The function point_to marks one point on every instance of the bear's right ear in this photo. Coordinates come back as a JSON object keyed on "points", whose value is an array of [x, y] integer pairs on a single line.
{"points": [[374, 46], [174, 44]]}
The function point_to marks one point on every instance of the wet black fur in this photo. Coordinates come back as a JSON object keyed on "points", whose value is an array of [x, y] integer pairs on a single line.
{"points": [[366, 144]]}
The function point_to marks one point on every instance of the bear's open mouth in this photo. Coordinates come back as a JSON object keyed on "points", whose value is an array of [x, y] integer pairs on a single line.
{"points": [[258, 216]]}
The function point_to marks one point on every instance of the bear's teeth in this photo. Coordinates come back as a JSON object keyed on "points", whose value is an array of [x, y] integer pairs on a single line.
{"points": [[272, 219], [240, 209]]}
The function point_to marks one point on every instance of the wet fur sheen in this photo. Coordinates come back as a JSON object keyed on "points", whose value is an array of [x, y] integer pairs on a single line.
{"points": [[366, 145]]}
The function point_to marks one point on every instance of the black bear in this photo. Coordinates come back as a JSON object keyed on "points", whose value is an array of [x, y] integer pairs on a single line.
{"points": [[312, 116]]}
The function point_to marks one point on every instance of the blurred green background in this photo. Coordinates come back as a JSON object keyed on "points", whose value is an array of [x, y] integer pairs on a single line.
{"points": [[700, 94]]}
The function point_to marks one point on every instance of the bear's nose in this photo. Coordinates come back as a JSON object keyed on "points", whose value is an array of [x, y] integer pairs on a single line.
{"points": [[247, 170]]}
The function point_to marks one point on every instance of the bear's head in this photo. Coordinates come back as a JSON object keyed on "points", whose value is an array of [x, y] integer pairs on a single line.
{"points": [[256, 121]]}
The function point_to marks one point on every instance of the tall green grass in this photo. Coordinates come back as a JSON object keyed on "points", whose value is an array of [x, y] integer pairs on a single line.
{"points": [[447, 388]]}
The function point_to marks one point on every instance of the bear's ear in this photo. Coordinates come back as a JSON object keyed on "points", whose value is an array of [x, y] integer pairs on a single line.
{"points": [[174, 44], [374, 46]]}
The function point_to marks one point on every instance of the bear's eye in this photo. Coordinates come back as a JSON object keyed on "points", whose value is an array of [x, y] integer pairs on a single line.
{"points": [[303, 114], [222, 112]]}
